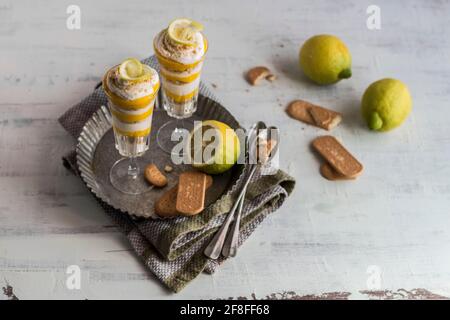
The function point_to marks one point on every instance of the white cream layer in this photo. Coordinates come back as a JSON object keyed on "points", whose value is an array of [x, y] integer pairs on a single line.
{"points": [[180, 89], [133, 127]]}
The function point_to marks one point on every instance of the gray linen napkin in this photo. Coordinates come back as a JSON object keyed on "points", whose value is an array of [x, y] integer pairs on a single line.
{"points": [[172, 248]]}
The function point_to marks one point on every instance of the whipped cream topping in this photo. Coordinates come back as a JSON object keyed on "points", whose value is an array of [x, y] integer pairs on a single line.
{"points": [[132, 90], [178, 52]]}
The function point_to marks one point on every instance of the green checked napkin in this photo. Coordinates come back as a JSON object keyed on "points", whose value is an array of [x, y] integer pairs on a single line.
{"points": [[173, 248]]}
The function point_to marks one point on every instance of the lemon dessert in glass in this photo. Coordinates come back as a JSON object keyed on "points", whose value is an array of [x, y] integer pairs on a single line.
{"points": [[131, 88], [180, 50]]}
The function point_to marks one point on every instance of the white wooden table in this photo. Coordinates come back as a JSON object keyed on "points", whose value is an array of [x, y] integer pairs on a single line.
{"points": [[389, 230]]}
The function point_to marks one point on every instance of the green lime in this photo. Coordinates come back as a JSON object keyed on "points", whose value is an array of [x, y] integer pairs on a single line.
{"points": [[214, 146], [385, 104], [325, 59]]}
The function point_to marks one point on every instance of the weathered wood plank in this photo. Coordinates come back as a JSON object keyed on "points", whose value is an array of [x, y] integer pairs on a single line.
{"points": [[324, 239]]}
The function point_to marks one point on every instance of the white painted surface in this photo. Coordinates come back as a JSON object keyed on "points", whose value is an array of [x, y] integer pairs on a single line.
{"points": [[396, 216]]}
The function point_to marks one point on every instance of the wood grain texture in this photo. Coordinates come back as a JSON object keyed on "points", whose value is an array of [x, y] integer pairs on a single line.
{"points": [[395, 216]]}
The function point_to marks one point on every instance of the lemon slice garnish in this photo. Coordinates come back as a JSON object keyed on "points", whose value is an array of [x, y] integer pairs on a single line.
{"points": [[133, 70], [183, 31], [130, 69]]}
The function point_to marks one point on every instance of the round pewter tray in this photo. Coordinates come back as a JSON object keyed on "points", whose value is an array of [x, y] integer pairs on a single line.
{"points": [[96, 153]]}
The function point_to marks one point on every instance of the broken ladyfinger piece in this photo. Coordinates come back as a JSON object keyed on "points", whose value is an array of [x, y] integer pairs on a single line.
{"points": [[337, 156], [299, 110], [324, 118], [256, 74], [313, 114], [154, 176]]}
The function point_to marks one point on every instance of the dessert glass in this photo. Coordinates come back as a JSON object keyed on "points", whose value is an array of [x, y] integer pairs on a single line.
{"points": [[180, 69], [131, 104]]}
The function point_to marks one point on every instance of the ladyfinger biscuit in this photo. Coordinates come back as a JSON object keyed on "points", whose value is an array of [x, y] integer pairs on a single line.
{"points": [[337, 156], [330, 174], [166, 205], [191, 193], [313, 114]]}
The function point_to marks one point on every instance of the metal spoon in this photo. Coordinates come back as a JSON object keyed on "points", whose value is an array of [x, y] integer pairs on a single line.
{"points": [[214, 248], [231, 242]]}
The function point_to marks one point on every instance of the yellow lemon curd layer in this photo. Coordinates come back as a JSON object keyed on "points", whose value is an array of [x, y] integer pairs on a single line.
{"points": [[130, 118], [134, 134], [183, 98]]}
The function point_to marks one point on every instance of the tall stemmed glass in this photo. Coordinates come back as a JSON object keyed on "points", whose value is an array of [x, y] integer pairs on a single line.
{"points": [[131, 88], [180, 50]]}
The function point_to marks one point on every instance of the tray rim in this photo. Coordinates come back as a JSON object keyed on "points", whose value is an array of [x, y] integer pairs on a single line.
{"points": [[105, 124]]}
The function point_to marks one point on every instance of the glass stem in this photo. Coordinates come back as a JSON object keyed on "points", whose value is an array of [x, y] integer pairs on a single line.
{"points": [[179, 125], [133, 168]]}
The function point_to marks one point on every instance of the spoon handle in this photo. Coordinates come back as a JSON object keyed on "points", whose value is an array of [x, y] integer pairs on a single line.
{"points": [[214, 248], [231, 242]]}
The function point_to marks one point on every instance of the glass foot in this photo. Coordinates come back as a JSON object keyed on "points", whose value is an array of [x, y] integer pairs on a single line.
{"points": [[127, 176], [171, 133]]}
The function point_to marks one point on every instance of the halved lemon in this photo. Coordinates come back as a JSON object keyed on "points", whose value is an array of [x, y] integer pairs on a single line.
{"points": [[214, 147], [183, 31], [133, 70]]}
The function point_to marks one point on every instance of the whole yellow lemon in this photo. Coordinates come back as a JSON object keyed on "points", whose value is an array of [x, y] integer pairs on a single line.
{"points": [[386, 104], [325, 59]]}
